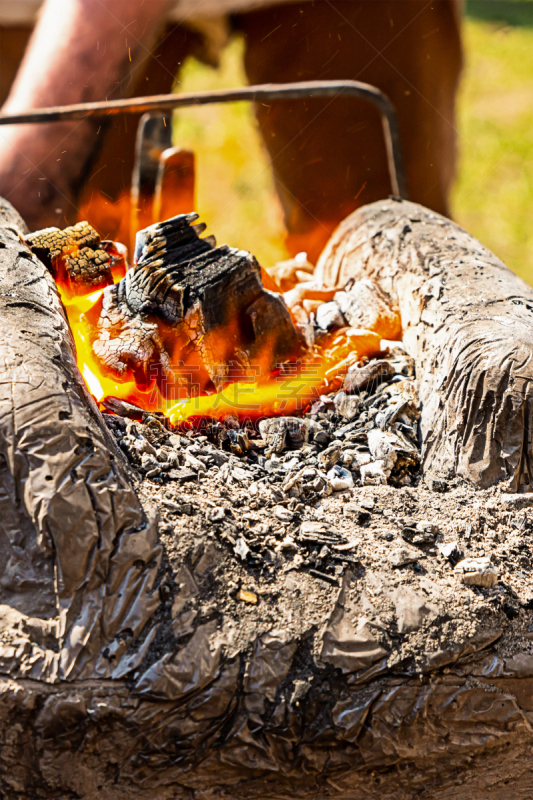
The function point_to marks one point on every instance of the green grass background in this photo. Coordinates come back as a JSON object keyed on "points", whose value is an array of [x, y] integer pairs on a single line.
{"points": [[493, 193]]}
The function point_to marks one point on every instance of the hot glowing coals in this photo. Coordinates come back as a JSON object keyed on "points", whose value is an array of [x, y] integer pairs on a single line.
{"points": [[181, 390]]}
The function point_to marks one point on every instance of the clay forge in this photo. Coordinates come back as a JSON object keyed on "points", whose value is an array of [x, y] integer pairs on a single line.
{"points": [[265, 533]]}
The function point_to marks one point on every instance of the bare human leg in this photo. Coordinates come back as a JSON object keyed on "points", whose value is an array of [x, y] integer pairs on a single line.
{"points": [[329, 156], [80, 50]]}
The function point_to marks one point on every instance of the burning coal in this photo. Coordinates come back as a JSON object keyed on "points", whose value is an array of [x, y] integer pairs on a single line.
{"points": [[191, 329]]}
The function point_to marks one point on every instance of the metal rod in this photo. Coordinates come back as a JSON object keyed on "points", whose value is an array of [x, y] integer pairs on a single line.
{"points": [[269, 91]]}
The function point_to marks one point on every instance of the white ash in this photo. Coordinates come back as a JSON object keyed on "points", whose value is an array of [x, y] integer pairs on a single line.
{"points": [[329, 315], [477, 572], [340, 478]]}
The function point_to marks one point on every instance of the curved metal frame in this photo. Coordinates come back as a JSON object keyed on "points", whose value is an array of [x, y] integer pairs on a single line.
{"points": [[269, 91]]}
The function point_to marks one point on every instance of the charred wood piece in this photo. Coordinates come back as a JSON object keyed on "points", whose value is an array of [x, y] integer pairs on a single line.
{"points": [[74, 255], [50, 243], [370, 375], [125, 341], [88, 268], [280, 432], [162, 253], [186, 300], [122, 408]]}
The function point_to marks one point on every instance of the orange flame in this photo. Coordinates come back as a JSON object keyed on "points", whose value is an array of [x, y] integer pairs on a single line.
{"points": [[289, 390], [99, 385]]}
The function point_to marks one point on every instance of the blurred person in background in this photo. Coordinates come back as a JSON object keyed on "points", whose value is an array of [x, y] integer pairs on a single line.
{"points": [[328, 157]]}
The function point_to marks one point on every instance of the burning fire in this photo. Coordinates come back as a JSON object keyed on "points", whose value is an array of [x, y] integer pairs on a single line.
{"points": [[100, 385], [290, 389]]}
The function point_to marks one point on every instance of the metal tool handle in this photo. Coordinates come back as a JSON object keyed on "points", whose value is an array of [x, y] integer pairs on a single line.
{"points": [[268, 91]]}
